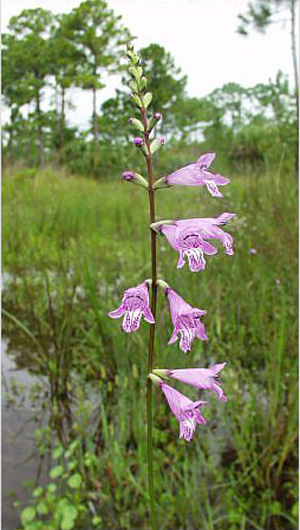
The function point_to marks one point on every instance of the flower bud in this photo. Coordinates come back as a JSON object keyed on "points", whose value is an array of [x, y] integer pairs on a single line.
{"points": [[162, 183], [136, 123], [158, 225], [135, 72], [135, 59], [134, 86], [137, 100], [135, 178], [138, 141], [154, 120], [156, 144], [156, 380], [164, 286], [142, 83], [147, 100], [161, 373]]}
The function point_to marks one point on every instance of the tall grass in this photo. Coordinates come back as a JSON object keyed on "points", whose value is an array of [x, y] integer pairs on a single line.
{"points": [[72, 246]]}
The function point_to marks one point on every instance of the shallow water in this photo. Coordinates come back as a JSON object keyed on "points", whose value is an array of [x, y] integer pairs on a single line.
{"points": [[20, 462]]}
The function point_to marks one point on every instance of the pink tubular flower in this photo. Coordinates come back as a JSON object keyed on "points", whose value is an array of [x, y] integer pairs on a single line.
{"points": [[186, 321], [204, 378], [135, 304], [185, 411], [187, 236], [197, 175]]}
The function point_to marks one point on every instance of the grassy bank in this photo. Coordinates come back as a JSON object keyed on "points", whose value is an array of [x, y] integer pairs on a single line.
{"points": [[72, 246]]}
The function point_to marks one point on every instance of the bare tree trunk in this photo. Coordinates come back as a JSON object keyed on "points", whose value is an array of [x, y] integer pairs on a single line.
{"points": [[61, 124], [295, 64], [63, 104], [294, 52], [11, 137], [95, 131], [39, 128]]}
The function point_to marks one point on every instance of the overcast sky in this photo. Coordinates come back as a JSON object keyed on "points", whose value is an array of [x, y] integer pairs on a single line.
{"points": [[200, 35]]}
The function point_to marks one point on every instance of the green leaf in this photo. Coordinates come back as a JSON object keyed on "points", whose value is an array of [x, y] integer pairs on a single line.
{"points": [[276, 508], [37, 492], [72, 465], [295, 510], [147, 99], [27, 515], [75, 481], [57, 453], [42, 508], [52, 488], [69, 514], [96, 520], [56, 472]]}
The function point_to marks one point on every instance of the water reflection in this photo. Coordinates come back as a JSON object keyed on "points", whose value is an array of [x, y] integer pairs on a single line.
{"points": [[22, 467]]}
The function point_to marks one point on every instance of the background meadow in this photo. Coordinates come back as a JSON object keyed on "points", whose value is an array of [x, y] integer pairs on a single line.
{"points": [[75, 237]]}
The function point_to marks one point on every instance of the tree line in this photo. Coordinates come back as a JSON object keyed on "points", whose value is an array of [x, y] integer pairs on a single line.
{"points": [[46, 54]]}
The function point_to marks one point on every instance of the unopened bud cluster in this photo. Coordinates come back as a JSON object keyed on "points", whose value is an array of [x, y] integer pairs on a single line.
{"points": [[142, 99]]}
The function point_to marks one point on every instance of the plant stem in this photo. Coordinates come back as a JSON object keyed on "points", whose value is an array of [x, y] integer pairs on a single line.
{"points": [[152, 326]]}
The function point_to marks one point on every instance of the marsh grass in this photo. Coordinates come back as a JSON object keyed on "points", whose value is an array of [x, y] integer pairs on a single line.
{"points": [[72, 246]]}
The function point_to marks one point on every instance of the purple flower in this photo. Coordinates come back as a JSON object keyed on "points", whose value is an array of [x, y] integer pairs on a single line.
{"points": [[186, 321], [204, 378], [277, 281], [253, 251], [135, 304], [187, 236], [185, 411], [197, 175]]}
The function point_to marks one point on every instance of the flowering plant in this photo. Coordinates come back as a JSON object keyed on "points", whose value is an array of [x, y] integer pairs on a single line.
{"points": [[188, 237]]}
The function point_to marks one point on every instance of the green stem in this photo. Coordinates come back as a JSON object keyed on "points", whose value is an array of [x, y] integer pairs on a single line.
{"points": [[151, 354]]}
